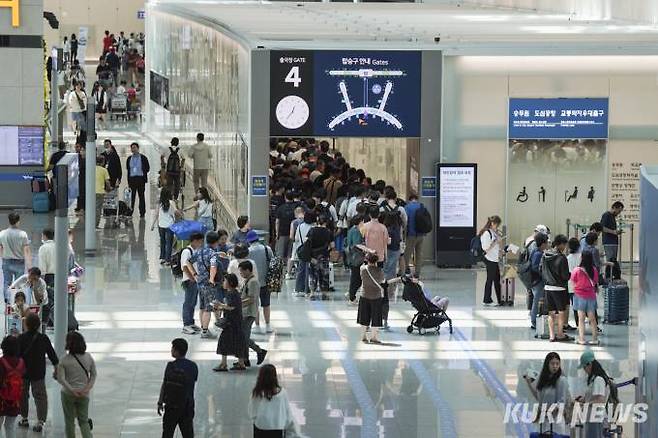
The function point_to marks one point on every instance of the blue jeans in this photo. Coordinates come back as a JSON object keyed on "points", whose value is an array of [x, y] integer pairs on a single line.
{"points": [[166, 242], [391, 264], [11, 270], [191, 294], [301, 281], [538, 293]]}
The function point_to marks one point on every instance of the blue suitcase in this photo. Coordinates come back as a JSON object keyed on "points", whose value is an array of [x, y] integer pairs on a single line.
{"points": [[616, 308], [40, 202]]}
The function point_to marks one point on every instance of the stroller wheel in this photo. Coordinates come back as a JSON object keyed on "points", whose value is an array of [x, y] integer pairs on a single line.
{"points": [[421, 331], [410, 329]]}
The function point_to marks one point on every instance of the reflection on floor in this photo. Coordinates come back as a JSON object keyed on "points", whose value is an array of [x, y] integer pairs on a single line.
{"points": [[418, 386]]}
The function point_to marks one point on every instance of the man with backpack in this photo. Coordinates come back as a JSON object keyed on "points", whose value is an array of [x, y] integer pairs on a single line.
{"points": [[172, 168], [189, 285], [207, 270], [419, 223], [34, 347], [555, 274], [177, 392]]}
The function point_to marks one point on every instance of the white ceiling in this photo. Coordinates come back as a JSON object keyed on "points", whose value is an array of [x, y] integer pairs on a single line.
{"points": [[405, 25]]}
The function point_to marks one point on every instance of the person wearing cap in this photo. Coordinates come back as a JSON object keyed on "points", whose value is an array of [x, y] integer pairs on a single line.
{"points": [[530, 240], [261, 254], [597, 391]]}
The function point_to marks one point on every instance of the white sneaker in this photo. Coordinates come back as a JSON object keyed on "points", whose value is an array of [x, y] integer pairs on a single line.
{"points": [[268, 328], [189, 330], [196, 327], [208, 335]]}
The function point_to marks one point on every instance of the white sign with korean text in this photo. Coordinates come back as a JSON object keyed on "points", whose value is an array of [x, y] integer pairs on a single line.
{"points": [[456, 196]]}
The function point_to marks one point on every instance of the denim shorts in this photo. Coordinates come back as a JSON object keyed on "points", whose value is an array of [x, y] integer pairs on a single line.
{"points": [[583, 304]]}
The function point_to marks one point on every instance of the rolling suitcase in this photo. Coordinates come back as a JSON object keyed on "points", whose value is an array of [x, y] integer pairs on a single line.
{"points": [[616, 307], [541, 326], [40, 202], [507, 291]]}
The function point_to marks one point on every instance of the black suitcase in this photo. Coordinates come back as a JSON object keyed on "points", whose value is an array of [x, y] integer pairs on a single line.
{"points": [[616, 308]]}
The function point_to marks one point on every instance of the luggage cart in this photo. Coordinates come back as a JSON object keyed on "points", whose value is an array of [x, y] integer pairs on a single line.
{"points": [[111, 208], [119, 107]]}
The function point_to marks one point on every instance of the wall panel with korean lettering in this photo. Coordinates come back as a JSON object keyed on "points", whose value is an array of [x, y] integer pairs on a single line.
{"points": [[556, 163]]}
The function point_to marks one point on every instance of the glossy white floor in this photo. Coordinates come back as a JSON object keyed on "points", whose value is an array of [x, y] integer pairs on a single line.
{"points": [[417, 386]]}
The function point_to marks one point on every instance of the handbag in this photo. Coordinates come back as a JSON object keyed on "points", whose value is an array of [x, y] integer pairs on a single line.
{"points": [[355, 257], [89, 420], [305, 250]]}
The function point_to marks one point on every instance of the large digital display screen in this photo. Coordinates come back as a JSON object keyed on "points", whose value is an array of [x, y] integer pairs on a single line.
{"points": [[345, 93], [562, 118], [21, 145]]}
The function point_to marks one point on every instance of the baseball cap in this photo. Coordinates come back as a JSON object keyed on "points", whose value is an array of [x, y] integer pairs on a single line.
{"points": [[251, 236], [586, 358], [542, 229]]}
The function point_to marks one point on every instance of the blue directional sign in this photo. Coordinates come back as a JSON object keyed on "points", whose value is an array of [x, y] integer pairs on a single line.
{"points": [[563, 118]]}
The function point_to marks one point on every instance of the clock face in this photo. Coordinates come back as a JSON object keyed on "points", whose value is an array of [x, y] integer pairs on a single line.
{"points": [[292, 112]]}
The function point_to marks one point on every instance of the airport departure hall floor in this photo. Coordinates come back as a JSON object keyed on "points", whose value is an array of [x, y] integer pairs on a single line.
{"points": [[413, 386]]}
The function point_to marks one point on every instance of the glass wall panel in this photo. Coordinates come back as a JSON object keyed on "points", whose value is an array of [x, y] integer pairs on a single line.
{"points": [[208, 76]]}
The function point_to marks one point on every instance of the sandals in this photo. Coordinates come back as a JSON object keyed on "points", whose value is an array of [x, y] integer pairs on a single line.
{"points": [[375, 341], [597, 342], [220, 369], [238, 368], [365, 340]]}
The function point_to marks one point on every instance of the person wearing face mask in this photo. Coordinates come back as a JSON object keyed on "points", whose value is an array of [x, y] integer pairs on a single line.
{"points": [[112, 163], [551, 388]]}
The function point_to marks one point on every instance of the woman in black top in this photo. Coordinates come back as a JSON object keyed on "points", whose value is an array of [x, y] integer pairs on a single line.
{"points": [[231, 341], [321, 239], [74, 48]]}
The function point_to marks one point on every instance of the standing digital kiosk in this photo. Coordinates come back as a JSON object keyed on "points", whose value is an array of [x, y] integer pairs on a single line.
{"points": [[456, 213]]}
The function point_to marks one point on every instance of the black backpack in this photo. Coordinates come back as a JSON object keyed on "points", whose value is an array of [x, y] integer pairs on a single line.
{"points": [[176, 267], [524, 266], [175, 392], [475, 248], [324, 212], [395, 210], [173, 162], [423, 220]]}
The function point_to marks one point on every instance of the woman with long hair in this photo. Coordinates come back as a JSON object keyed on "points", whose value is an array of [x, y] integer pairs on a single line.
{"points": [[203, 205], [600, 389], [12, 370], [231, 342], [551, 388], [165, 217], [354, 256], [585, 279], [491, 242], [269, 408]]}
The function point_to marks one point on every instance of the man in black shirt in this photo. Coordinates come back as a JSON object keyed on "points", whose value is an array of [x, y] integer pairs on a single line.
{"points": [[177, 392], [285, 214], [34, 347], [610, 231], [58, 155], [321, 240]]}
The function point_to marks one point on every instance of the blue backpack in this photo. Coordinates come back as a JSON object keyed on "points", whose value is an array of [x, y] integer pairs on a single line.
{"points": [[476, 250]]}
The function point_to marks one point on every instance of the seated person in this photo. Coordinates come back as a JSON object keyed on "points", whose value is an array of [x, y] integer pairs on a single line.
{"points": [[440, 302]]}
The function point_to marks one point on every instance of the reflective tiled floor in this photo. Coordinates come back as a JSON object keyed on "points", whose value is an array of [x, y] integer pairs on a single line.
{"points": [[414, 386]]}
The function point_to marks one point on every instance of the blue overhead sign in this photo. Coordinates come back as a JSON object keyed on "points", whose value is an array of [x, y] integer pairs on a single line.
{"points": [[563, 118]]}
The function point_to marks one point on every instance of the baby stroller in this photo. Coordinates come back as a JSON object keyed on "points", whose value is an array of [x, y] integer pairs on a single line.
{"points": [[428, 316]]}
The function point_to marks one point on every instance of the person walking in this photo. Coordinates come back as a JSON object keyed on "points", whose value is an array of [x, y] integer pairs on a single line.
{"points": [[112, 163], [201, 156], [585, 279], [491, 242], [34, 347], [261, 254], [414, 244], [321, 241], [189, 285], [555, 273], [66, 48], [46, 253], [231, 340], [173, 166], [12, 370], [137, 166], [250, 293], [354, 256], [177, 392], [76, 372], [165, 217], [269, 408], [16, 253], [77, 103], [103, 185], [301, 234], [74, 47]]}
